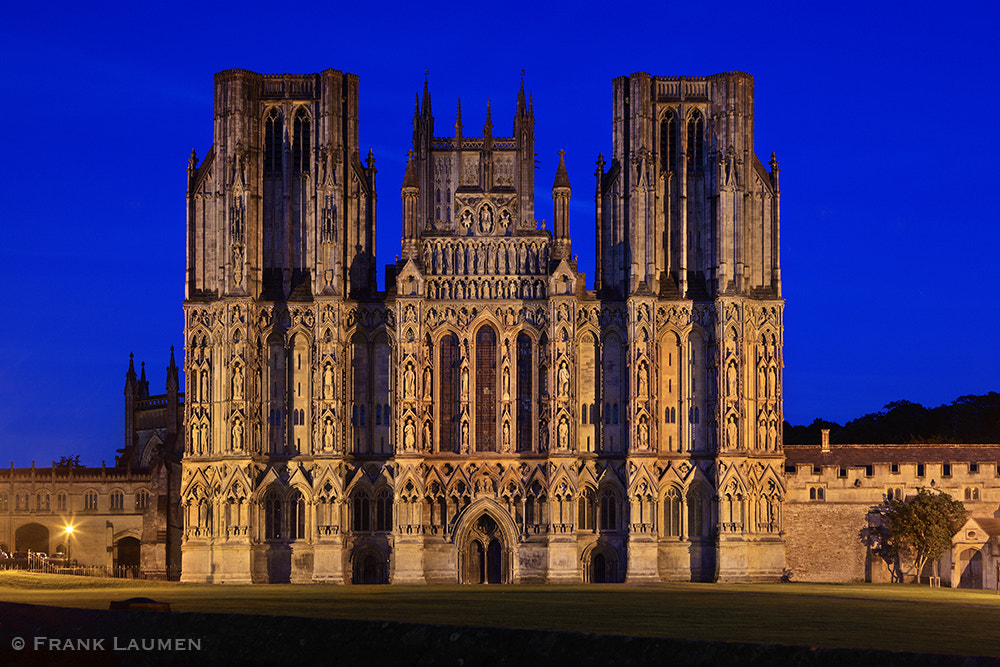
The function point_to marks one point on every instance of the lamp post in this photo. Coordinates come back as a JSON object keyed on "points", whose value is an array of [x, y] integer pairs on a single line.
{"points": [[69, 541]]}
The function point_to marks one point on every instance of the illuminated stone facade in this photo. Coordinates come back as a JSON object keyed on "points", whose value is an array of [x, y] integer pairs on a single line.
{"points": [[486, 418], [126, 516]]}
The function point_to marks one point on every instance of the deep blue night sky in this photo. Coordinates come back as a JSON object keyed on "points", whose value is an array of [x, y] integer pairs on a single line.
{"points": [[882, 116]]}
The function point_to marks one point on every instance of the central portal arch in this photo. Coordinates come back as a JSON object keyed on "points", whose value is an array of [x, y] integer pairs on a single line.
{"points": [[486, 547]]}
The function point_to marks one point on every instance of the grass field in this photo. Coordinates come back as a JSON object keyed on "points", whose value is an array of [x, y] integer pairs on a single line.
{"points": [[889, 617]]}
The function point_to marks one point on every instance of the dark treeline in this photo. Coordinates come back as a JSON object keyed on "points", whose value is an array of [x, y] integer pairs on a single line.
{"points": [[966, 420]]}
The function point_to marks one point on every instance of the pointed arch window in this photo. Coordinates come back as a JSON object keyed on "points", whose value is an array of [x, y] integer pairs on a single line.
{"points": [[449, 371], [300, 143], [609, 511], [668, 141], [362, 512], [696, 141], [486, 382], [273, 138], [383, 511], [586, 507], [272, 516], [524, 370], [672, 514], [297, 516]]}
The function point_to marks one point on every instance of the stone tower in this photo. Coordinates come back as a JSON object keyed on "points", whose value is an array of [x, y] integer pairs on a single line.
{"points": [[688, 229], [486, 418], [281, 232]]}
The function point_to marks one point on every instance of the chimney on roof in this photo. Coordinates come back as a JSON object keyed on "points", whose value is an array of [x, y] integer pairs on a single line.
{"points": [[825, 444]]}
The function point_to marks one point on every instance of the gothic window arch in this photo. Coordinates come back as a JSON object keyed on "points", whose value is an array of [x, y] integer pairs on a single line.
{"points": [[90, 501], [296, 516], [696, 141], [672, 513], [361, 511], [449, 370], [609, 510], [300, 142], [383, 511], [117, 500], [141, 499], [272, 516], [586, 510], [525, 368], [668, 141], [486, 395], [274, 126]]}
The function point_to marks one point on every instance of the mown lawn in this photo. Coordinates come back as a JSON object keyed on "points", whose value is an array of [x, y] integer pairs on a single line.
{"points": [[890, 617]]}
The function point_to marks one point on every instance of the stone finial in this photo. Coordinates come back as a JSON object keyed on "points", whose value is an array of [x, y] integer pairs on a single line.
{"points": [[825, 442]]}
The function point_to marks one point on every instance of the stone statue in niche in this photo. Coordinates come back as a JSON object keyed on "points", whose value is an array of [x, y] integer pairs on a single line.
{"points": [[465, 436], [563, 434], [731, 380], [409, 382], [409, 436], [506, 436], [465, 383], [427, 437], [543, 437], [643, 380], [486, 220], [643, 434], [327, 381], [237, 266], [731, 432], [237, 436], [238, 383], [563, 379], [506, 384], [328, 434], [427, 383]]}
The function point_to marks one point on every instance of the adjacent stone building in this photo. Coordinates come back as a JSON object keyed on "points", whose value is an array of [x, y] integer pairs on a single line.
{"points": [[831, 488], [486, 418], [124, 516]]}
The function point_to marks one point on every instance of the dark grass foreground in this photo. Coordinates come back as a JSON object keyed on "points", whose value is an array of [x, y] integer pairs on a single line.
{"points": [[269, 640]]}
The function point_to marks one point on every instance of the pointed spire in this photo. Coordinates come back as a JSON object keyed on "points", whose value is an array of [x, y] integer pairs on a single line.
{"points": [[562, 177], [458, 119], [173, 382], [143, 382], [488, 128], [522, 111], [410, 177], [531, 106], [130, 375], [427, 96], [416, 105]]}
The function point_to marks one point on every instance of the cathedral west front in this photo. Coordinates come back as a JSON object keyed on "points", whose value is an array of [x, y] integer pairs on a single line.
{"points": [[485, 418]]}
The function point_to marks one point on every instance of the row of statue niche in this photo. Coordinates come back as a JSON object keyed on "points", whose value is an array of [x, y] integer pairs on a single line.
{"points": [[509, 288], [485, 259]]}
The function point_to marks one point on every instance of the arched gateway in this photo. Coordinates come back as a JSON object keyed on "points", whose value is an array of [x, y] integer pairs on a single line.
{"points": [[485, 548]]}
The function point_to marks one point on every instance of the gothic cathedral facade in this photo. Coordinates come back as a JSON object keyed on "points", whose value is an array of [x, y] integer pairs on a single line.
{"points": [[485, 418]]}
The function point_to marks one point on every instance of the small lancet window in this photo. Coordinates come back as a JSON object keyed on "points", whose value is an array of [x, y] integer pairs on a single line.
{"points": [[696, 141], [273, 140], [300, 143], [668, 141]]}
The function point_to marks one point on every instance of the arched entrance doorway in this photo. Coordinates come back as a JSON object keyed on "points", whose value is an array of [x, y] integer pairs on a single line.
{"points": [[485, 561], [598, 569], [602, 567], [128, 552], [32, 537], [370, 568], [970, 564]]}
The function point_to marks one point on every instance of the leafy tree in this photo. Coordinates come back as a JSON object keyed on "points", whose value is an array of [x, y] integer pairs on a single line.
{"points": [[915, 530], [69, 462]]}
